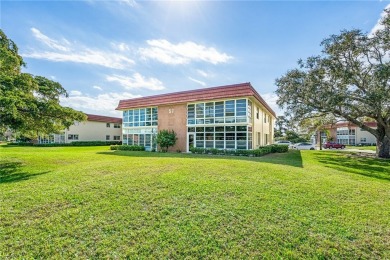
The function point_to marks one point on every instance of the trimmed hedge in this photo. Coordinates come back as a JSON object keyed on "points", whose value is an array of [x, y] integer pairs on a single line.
{"points": [[77, 143], [263, 150], [21, 144], [127, 147]]}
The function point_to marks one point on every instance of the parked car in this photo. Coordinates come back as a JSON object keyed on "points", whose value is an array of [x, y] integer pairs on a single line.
{"points": [[304, 146], [331, 145], [285, 142]]}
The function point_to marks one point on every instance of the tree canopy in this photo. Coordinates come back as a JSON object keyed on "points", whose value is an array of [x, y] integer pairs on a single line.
{"points": [[165, 139], [30, 103], [349, 80]]}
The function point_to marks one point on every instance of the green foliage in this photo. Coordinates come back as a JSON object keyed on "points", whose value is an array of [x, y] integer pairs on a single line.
{"points": [[165, 139], [127, 147], [294, 137], [348, 80], [30, 104], [263, 150]]}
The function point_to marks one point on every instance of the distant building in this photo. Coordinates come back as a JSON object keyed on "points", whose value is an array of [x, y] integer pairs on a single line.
{"points": [[225, 117], [96, 128], [350, 134]]}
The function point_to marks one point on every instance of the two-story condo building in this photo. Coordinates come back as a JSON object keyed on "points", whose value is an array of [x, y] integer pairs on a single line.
{"points": [[96, 128], [225, 117]]}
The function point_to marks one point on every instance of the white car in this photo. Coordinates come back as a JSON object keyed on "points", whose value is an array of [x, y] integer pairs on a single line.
{"points": [[283, 142], [304, 146]]}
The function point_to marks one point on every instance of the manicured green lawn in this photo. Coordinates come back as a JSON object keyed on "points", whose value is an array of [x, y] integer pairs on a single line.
{"points": [[89, 202], [369, 148]]}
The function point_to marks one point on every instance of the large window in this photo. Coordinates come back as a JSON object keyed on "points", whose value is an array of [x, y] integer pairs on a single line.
{"points": [[222, 137], [140, 136], [140, 117], [140, 127], [221, 112]]}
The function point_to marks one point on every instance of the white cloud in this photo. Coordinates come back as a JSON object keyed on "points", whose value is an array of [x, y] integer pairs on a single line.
{"points": [[378, 24], [182, 53], [131, 3], [101, 104], [65, 52], [98, 88], [197, 81], [203, 73], [120, 46], [136, 81], [270, 99], [53, 44], [75, 93]]}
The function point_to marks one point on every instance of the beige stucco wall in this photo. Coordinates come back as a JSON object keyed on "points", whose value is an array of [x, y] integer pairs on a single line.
{"points": [[93, 131], [370, 138], [174, 117], [260, 126]]}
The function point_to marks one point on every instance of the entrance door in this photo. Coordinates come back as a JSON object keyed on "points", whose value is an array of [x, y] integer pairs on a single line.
{"points": [[190, 143]]}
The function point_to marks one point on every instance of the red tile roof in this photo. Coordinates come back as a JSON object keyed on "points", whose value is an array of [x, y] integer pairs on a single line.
{"points": [[104, 119], [229, 91]]}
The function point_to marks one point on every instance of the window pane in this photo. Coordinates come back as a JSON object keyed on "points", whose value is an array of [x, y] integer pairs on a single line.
{"points": [[200, 129], [219, 120], [241, 128], [230, 128], [229, 120], [209, 136], [191, 111], [219, 109], [199, 136], [191, 129], [200, 110], [142, 115], [209, 129], [229, 108], [230, 136], [219, 129], [219, 136], [200, 144], [230, 144], [241, 107], [219, 144], [209, 110], [209, 144]]}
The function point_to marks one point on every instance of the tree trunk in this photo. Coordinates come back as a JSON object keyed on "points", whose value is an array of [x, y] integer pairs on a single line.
{"points": [[382, 144]]}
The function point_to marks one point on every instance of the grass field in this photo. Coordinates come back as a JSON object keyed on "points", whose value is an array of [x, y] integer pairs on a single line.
{"points": [[89, 202], [364, 148]]}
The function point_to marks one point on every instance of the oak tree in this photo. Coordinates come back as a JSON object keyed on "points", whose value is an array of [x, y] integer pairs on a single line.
{"points": [[350, 80], [30, 103]]}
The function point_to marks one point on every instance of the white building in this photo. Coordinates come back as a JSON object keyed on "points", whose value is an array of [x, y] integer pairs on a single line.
{"points": [[96, 128]]}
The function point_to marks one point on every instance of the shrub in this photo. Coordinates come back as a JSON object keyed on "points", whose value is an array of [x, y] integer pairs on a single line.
{"points": [[21, 144], [262, 150], [127, 147], [165, 139], [276, 148]]}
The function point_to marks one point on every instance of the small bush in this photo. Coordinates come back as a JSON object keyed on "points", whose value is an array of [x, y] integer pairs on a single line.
{"points": [[262, 150], [276, 148], [21, 143], [127, 147]]}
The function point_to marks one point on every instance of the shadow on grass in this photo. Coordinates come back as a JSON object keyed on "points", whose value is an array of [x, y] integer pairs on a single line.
{"points": [[12, 172], [291, 158], [369, 167]]}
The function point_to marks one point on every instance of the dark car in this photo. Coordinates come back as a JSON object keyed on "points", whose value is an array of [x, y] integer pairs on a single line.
{"points": [[330, 145]]}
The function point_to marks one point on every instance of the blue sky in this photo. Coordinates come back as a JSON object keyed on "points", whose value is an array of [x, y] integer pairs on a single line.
{"points": [[104, 51]]}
